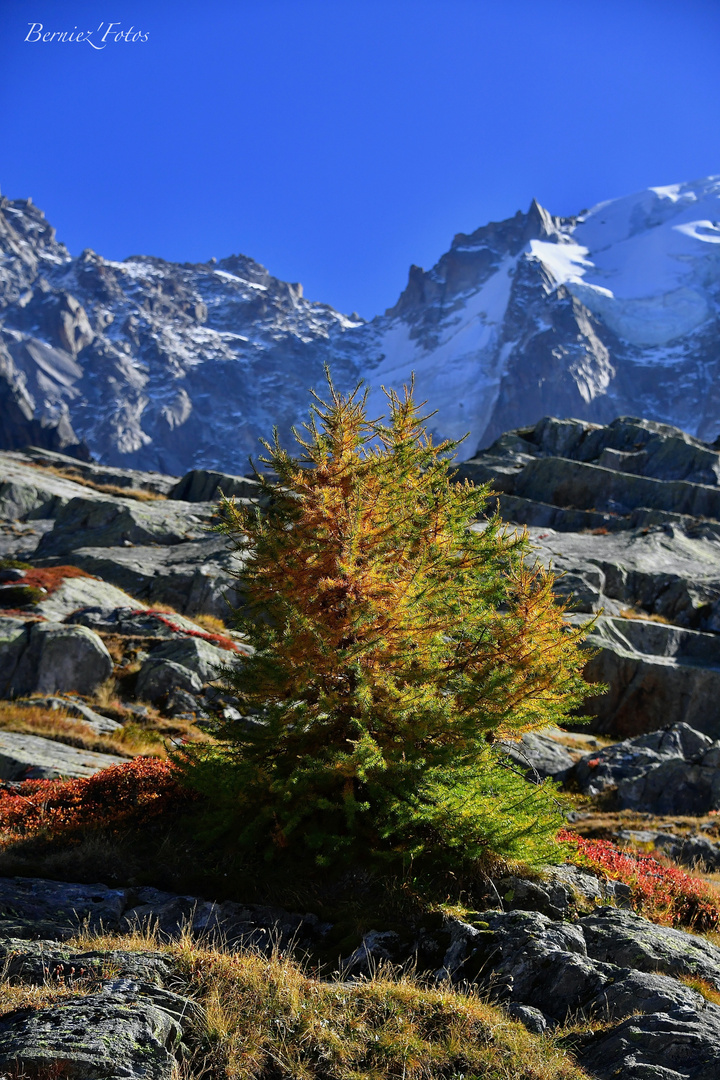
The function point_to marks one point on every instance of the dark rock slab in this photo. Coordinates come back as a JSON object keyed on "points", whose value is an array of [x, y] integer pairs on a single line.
{"points": [[106, 1036], [681, 1043], [203, 485], [622, 937], [38, 908], [656, 675]]}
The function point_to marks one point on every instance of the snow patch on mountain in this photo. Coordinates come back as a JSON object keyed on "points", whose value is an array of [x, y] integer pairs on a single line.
{"points": [[645, 264], [458, 368]]}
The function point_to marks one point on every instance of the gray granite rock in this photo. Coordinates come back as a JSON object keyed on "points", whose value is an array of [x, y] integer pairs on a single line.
{"points": [[58, 657], [539, 756], [108, 522], [105, 1036], [81, 592], [656, 675], [27, 492], [203, 485], [14, 636], [193, 577], [629, 759], [32, 757], [53, 910], [624, 938], [157, 678], [135, 479], [206, 660], [36, 962], [533, 1019], [681, 1043], [676, 771]]}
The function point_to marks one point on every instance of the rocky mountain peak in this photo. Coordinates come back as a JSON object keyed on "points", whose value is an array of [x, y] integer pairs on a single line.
{"points": [[166, 365]]}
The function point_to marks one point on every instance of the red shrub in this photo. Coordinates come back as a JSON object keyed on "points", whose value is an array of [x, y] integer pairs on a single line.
{"points": [[51, 577], [220, 640], [665, 894], [142, 788]]}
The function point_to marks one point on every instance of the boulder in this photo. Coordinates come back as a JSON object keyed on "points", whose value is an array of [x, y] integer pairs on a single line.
{"points": [[526, 958], [31, 757], [676, 771], [692, 851], [14, 636], [59, 657], [203, 485], [158, 677], [36, 907], [539, 756], [19, 539], [624, 761], [196, 654]]}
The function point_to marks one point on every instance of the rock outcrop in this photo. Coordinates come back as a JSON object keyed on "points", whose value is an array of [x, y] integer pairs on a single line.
{"points": [[628, 514], [587, 959]]}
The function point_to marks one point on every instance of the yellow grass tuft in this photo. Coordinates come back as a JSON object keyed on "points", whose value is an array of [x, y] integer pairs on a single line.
{"points": [[57, 725], [267, 1016], [107, 489]]}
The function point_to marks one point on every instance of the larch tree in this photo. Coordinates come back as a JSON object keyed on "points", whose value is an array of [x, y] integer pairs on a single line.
{"points": [[398, 635]]}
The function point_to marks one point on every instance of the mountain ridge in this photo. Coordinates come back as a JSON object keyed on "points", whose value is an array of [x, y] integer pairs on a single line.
{"points": [[151, 364]]}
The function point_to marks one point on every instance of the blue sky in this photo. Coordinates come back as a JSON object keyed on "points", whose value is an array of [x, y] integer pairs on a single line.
{"points": [[337, 141]]}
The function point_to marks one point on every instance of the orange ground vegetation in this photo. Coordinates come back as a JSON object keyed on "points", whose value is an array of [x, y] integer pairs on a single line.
{"points": [[664, 893], [117, 796], [51, 577]]}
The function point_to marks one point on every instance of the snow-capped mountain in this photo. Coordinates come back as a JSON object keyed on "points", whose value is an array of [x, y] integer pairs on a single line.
{"points": [[167, 366]]}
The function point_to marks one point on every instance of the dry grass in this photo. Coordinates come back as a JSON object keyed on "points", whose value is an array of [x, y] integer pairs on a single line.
{"points": [[638, 613], [107, 489], [210, 623], [129, 741], [702, 986], [266, 1016], [18, 996], [106, 694]]}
